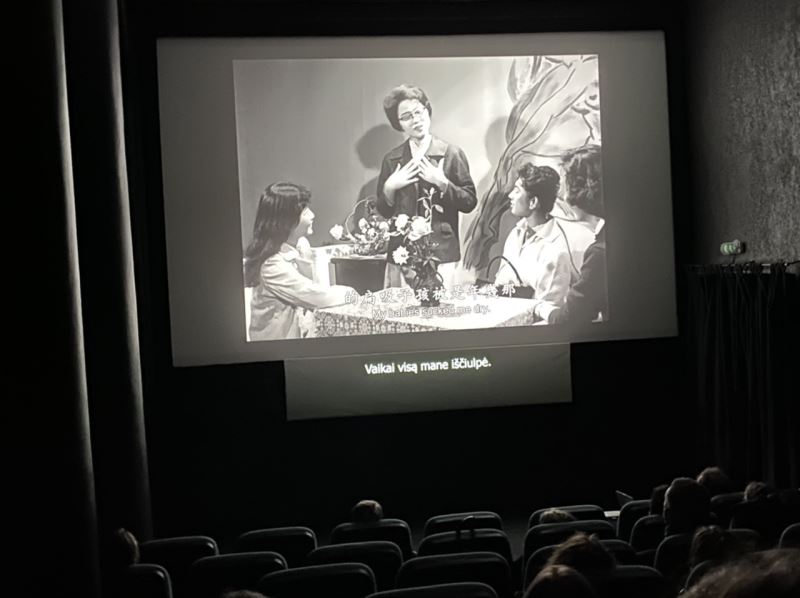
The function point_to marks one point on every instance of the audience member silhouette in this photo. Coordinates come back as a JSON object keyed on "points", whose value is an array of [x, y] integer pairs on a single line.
{"points": [[559, 581], [757, 492], [585, 554], [712, 543], [366, 511], [686, 506], [770, 574], [556, 516], [715, 481], [123, 549]]}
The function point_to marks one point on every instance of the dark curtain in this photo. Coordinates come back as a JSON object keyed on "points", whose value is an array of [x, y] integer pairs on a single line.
{"points": [[744, 333], [76, 381]]}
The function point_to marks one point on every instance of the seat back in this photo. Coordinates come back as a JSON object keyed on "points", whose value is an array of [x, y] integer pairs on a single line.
{"points": [[554, 533], [722, 506], [580, 512], [211, 575], [177, 555], [631, 581], [447, 590], [629, 514], [456, 521], [672, 557], [145, 581], [484, 567], [747, 539], [790, 538], [337, 580], [389, 530], [647, 533], [474, 540], [292, 543], [383, 558]]}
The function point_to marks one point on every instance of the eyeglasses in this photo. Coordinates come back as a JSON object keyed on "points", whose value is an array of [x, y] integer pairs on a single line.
{"points": [[409, 116]]}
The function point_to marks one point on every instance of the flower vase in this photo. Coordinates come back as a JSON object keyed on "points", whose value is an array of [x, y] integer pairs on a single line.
{"points": [[431, 282]]}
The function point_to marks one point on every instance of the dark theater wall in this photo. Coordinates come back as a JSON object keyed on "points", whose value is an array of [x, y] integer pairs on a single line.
{"points": [[744, 92]]}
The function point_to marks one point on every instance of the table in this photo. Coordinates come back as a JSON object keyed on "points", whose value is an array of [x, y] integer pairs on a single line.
{"points": [[391, 317]]}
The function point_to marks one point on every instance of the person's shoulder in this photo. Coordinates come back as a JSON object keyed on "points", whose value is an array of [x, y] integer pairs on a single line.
{"points": [[397, 152]]}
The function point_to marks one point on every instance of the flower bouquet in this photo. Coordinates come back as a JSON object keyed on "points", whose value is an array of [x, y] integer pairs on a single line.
{"points": [[371, 234], [415, 255]]}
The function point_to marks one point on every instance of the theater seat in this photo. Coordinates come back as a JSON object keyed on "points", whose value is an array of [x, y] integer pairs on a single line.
{"points": [[446, 590], [456, 521], [629, 514], [145, 581], [389, 530], [209, 576], [474, 540], [672, 557], [722, 506], [698, 572], [790, 538], [554, 533], [339, 580], [177, 555], [647, 533], [484, 567], [580, 512], [292, 543], [383, 558]]}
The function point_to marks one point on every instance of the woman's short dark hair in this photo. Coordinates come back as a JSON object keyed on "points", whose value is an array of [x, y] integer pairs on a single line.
{"points": [[583, 178], [397, 95], [278, 214], [712, 543], [541, 182]]}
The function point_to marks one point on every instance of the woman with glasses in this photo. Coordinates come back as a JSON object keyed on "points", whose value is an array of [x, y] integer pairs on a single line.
{"points": [[423, 176]]}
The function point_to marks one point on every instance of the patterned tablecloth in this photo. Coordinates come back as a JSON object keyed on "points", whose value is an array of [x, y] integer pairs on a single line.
{"points": [[382, 317]]}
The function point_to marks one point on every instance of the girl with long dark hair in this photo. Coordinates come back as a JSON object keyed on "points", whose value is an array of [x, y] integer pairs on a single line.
{"points": [[281, 294]]}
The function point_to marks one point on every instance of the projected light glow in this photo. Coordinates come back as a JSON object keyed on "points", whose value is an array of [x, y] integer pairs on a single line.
{"points": [[445, 216]]}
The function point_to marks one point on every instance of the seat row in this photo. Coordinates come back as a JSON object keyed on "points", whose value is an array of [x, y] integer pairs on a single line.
{"points": [[431, 576]]}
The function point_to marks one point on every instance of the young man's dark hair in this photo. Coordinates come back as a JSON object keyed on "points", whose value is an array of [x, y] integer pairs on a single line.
{"points": [[585, 554], [770, 574], [540, 182], [123, 549], [686, 506], [715, 481], [366, 511]]}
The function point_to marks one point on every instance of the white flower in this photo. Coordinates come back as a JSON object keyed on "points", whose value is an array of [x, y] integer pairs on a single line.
{"points": [[401, 221], [362, 224], [337, 232], [400, 255], [383, 225], [419, 228]]}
